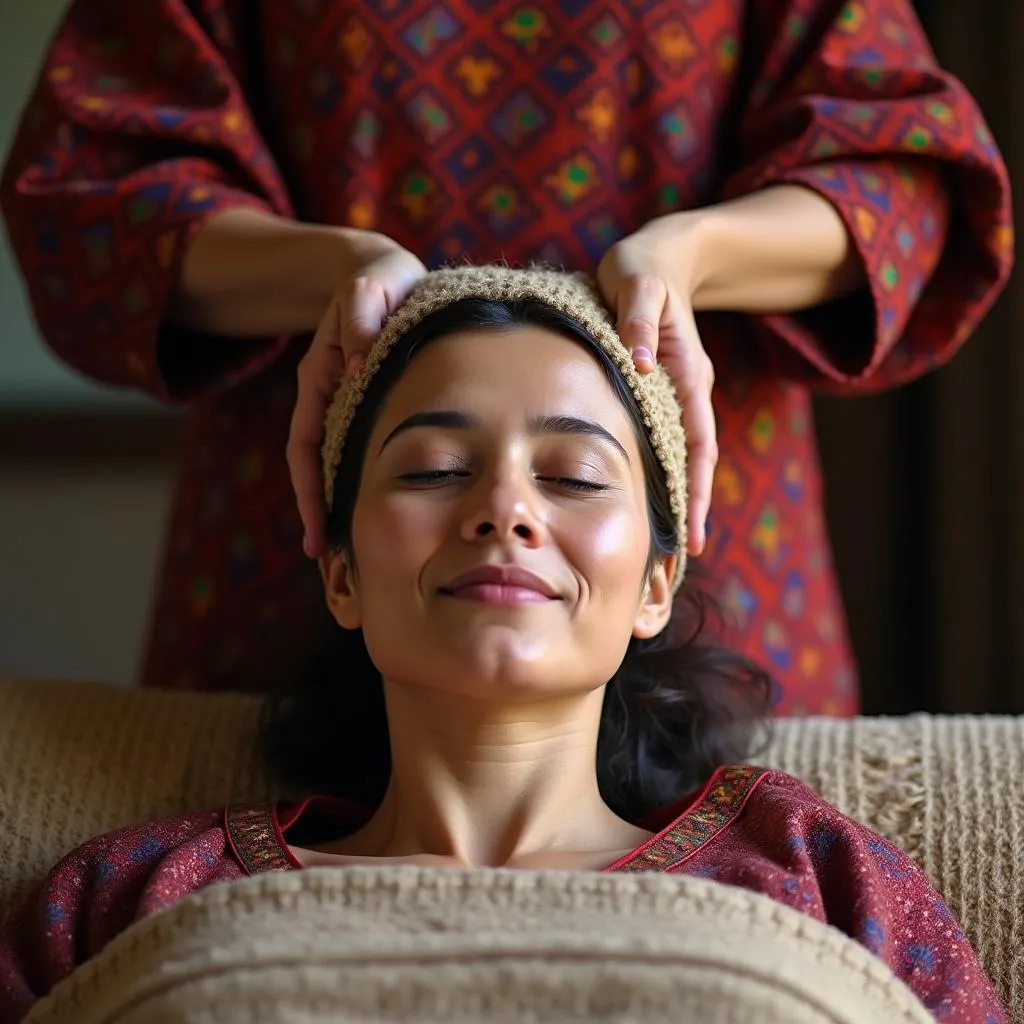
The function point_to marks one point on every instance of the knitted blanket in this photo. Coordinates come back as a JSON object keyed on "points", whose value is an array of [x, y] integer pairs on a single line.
{"points": [[403, 945]]}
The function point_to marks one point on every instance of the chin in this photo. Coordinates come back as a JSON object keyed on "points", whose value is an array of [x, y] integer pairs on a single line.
{"points": [[562, 674], [486, 671], [501, 660], [490, 669]]}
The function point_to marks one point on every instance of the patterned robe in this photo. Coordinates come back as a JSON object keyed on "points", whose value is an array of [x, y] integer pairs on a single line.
{"points": [[751, 827], [486, 129]]}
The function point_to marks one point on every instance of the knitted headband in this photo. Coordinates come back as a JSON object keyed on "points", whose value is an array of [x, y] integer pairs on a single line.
{"points": [[577, 297]]}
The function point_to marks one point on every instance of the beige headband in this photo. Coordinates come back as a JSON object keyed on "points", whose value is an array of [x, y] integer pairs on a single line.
{"points": [[577, 297]]}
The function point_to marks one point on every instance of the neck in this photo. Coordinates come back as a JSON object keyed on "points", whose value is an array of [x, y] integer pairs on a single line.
{"points": [[490, 786]]}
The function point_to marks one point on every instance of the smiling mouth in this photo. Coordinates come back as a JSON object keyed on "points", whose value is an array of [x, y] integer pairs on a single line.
{"points": [[507, 585], [506, 594]]}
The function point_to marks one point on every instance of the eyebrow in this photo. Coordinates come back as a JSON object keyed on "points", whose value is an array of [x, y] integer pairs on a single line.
{"points": [[539, 425]]}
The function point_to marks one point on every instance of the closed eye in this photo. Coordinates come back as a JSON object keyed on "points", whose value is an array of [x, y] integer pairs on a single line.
{"points": [[575, 484], [434, 476], [429, 477]]}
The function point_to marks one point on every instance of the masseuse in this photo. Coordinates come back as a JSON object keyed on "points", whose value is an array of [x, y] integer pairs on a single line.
{"points": [[196, 188]]}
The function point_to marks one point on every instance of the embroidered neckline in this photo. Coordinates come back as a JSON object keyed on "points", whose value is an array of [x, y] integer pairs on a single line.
{"points": [[254, 839], [260, 845], [724, 796]]}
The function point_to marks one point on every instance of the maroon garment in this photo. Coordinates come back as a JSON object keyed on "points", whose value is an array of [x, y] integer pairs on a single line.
{"points": [[750, 827], [480, 130]]}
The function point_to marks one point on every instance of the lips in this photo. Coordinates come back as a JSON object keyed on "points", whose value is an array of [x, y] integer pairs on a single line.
{"points": [[494, 581]]}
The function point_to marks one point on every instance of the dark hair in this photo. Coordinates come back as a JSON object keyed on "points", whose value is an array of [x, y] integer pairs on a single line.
{"points": [[678, 707]]}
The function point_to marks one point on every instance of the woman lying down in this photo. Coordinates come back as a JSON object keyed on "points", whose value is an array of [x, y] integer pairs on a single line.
{"points": [[503, 687]]}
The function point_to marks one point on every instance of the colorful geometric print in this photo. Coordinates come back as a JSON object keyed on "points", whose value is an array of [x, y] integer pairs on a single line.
{"points": [[497, 129], [722, 800]]}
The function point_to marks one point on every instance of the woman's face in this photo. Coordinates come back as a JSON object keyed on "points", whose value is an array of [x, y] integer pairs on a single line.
{"points": [[500, 533]]}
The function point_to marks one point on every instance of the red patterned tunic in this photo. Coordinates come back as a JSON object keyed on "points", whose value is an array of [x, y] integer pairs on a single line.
{"points": [[754, 828], [481, 129]]}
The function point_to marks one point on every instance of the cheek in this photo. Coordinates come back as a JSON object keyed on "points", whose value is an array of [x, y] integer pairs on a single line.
{"points": [[391, 540], [613, 548]]}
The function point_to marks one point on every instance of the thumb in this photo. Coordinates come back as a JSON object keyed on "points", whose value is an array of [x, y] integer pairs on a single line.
{"points": [[362, 317]]}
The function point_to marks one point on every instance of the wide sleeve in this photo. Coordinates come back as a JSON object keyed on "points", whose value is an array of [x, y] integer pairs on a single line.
{"points": [[97, 891], [844, 97], [138, 131], [794, 846]]}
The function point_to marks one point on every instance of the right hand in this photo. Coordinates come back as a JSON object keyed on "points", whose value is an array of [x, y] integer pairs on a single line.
{"points": [[381, 274]]}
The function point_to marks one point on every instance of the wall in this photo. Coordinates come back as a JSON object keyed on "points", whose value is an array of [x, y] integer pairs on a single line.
{"points": [[78, 548], [79, 538]]}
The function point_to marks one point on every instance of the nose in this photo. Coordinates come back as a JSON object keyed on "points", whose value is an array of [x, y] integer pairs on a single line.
{"points": [[504, 508]]}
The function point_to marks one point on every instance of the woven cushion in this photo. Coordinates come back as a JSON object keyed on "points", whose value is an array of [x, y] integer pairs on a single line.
{"points": [[79, 759]]}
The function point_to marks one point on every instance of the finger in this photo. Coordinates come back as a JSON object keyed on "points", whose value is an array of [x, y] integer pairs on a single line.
{"points": [[318, 376], [303, 456], [641, 306], [702, 458], [304, 465], [693, 376]]}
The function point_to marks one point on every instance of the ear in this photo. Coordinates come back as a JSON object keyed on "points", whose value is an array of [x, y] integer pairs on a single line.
{"points": [[656, 603], [340, 589]]}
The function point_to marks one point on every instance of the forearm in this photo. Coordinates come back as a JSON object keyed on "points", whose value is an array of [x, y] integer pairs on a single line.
{"points": [[780, 249], [251, 274]]}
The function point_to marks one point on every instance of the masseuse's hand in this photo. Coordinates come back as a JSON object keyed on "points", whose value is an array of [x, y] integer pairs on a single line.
{"points": [[650, 295], [379, 275]]}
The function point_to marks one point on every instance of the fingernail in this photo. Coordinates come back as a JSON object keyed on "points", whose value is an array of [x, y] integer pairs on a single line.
{"points": [[642, 355], [305, 545], [353, 365]]}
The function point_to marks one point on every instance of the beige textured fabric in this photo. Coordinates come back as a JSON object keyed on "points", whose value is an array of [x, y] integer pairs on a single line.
{"points": [[404, 945], [79, 759], [575, 295]]}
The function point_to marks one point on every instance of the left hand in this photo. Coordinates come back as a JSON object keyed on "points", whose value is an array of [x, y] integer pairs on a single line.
{"points": [[650, 296]]}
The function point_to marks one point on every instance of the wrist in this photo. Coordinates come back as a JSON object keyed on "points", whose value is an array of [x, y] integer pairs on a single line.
{"points": [[690, 244], [330, 255], [248, 272], [778, 249]]}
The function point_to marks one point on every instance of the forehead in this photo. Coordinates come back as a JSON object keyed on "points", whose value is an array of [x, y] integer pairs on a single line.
{"points": [[524, 370]]}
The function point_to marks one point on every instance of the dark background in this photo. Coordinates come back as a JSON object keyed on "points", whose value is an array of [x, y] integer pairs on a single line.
{"points": [[925, 486]]}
